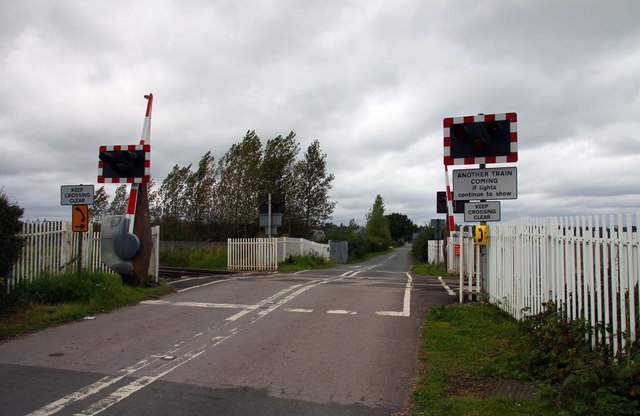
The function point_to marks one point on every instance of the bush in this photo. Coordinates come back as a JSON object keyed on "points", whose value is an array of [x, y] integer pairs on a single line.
{"points": [[10, 227], [71, 288], [582, 380], [420, 251]]}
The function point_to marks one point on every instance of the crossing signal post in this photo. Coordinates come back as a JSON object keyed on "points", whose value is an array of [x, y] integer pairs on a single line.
{"points": [[126, 239], [271, 207], [478, 140]]}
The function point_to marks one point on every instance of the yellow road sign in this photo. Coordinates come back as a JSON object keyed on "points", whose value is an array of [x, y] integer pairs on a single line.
{"points": [[481, 235], [80, 218]]}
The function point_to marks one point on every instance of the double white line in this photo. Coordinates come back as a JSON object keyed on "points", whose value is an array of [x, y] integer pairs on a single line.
{"points": [[169, 361]]}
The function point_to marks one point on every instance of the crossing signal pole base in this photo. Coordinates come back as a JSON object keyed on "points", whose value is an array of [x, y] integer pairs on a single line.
{"points": [[142, 229]]}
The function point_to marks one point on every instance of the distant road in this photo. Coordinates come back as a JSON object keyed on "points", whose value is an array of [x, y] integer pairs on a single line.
{"points": [[340, 341]]}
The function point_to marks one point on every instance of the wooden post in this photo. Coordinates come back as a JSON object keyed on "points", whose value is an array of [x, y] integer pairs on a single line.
{"points": [[142, 228]]}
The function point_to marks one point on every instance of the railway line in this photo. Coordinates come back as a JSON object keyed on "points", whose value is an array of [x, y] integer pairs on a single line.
{"points": [[182, 272]]}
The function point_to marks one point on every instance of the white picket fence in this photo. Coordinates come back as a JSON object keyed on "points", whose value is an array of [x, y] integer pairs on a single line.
{"points": [[52, 247], [435, 252], [263, 254], [288, 246], [589, 266]]}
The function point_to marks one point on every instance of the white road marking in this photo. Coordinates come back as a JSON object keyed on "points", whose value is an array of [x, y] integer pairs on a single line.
{"points": [[406, 307], [200, 304], [171, 360], [447, 288], [90, 390], [269, 300], [137, 384], [341, 312]]}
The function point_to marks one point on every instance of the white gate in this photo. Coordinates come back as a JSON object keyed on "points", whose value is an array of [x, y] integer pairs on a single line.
{"points": [[263, 254], [252, 254]]}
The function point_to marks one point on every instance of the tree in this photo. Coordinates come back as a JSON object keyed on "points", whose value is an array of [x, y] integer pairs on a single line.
{"points": [[11, 243], [120, 200], [238, 173], [154, 202], [377, 224], [172, 200], [278, 163], [401, 227], [200, 198], [310, 190], [100, 205]]}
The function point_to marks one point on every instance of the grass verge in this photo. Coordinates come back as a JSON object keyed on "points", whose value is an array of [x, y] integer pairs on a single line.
{"points": [[467, 351], [52, 300], [198, 258], [430, 269], [295, 264]]}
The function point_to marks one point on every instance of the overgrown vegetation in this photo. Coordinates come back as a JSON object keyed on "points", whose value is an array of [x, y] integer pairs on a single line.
{"points": [[10, 241], [582, 380], [466, 350], [468, 347], [52, 300]]}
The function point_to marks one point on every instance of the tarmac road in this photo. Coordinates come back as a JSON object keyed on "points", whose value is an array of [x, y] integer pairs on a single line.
{"points": [[340, 341]]}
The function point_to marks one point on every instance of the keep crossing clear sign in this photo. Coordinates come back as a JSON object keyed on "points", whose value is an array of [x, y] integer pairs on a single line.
{"points": [[76, 195]]}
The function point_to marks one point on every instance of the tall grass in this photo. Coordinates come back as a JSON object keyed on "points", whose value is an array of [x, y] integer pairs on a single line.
{"points": [[200, 258]]}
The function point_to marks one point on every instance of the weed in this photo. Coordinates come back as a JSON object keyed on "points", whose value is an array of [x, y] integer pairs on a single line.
{"points": [[580, 379]]}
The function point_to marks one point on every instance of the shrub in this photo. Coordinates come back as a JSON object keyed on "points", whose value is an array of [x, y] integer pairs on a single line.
{"points": [[10, 242], [420, 251], [582, 380]]}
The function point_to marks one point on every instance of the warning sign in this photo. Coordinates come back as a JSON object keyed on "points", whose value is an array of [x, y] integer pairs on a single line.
{"points": [[80, 218], [475, 184], [482, 211]]}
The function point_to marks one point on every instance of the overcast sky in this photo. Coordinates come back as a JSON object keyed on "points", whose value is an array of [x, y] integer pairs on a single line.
{"points": [[371, 80]]}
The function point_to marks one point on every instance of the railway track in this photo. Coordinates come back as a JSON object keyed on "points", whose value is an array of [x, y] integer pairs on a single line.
{"points": [[180, 272]]}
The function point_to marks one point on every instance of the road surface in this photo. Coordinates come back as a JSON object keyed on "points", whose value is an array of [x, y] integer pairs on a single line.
{"points": [[340, 341]]}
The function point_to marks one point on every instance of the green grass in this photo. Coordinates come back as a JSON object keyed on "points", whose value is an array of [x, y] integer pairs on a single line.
{"points": [[431, 269], [465, 349], [198, 258], [304, 263], [52, 300]]}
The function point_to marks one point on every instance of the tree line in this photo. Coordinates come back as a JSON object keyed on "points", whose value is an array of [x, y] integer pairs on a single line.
{"points": [[215, 200]]}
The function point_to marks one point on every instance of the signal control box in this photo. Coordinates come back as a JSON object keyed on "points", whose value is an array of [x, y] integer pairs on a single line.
{"points": [[118, 246]]}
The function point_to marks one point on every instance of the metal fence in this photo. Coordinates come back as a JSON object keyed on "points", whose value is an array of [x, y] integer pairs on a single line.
{"points": [[52, 247], [588, 266], [338, 251], [264, 253]]}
